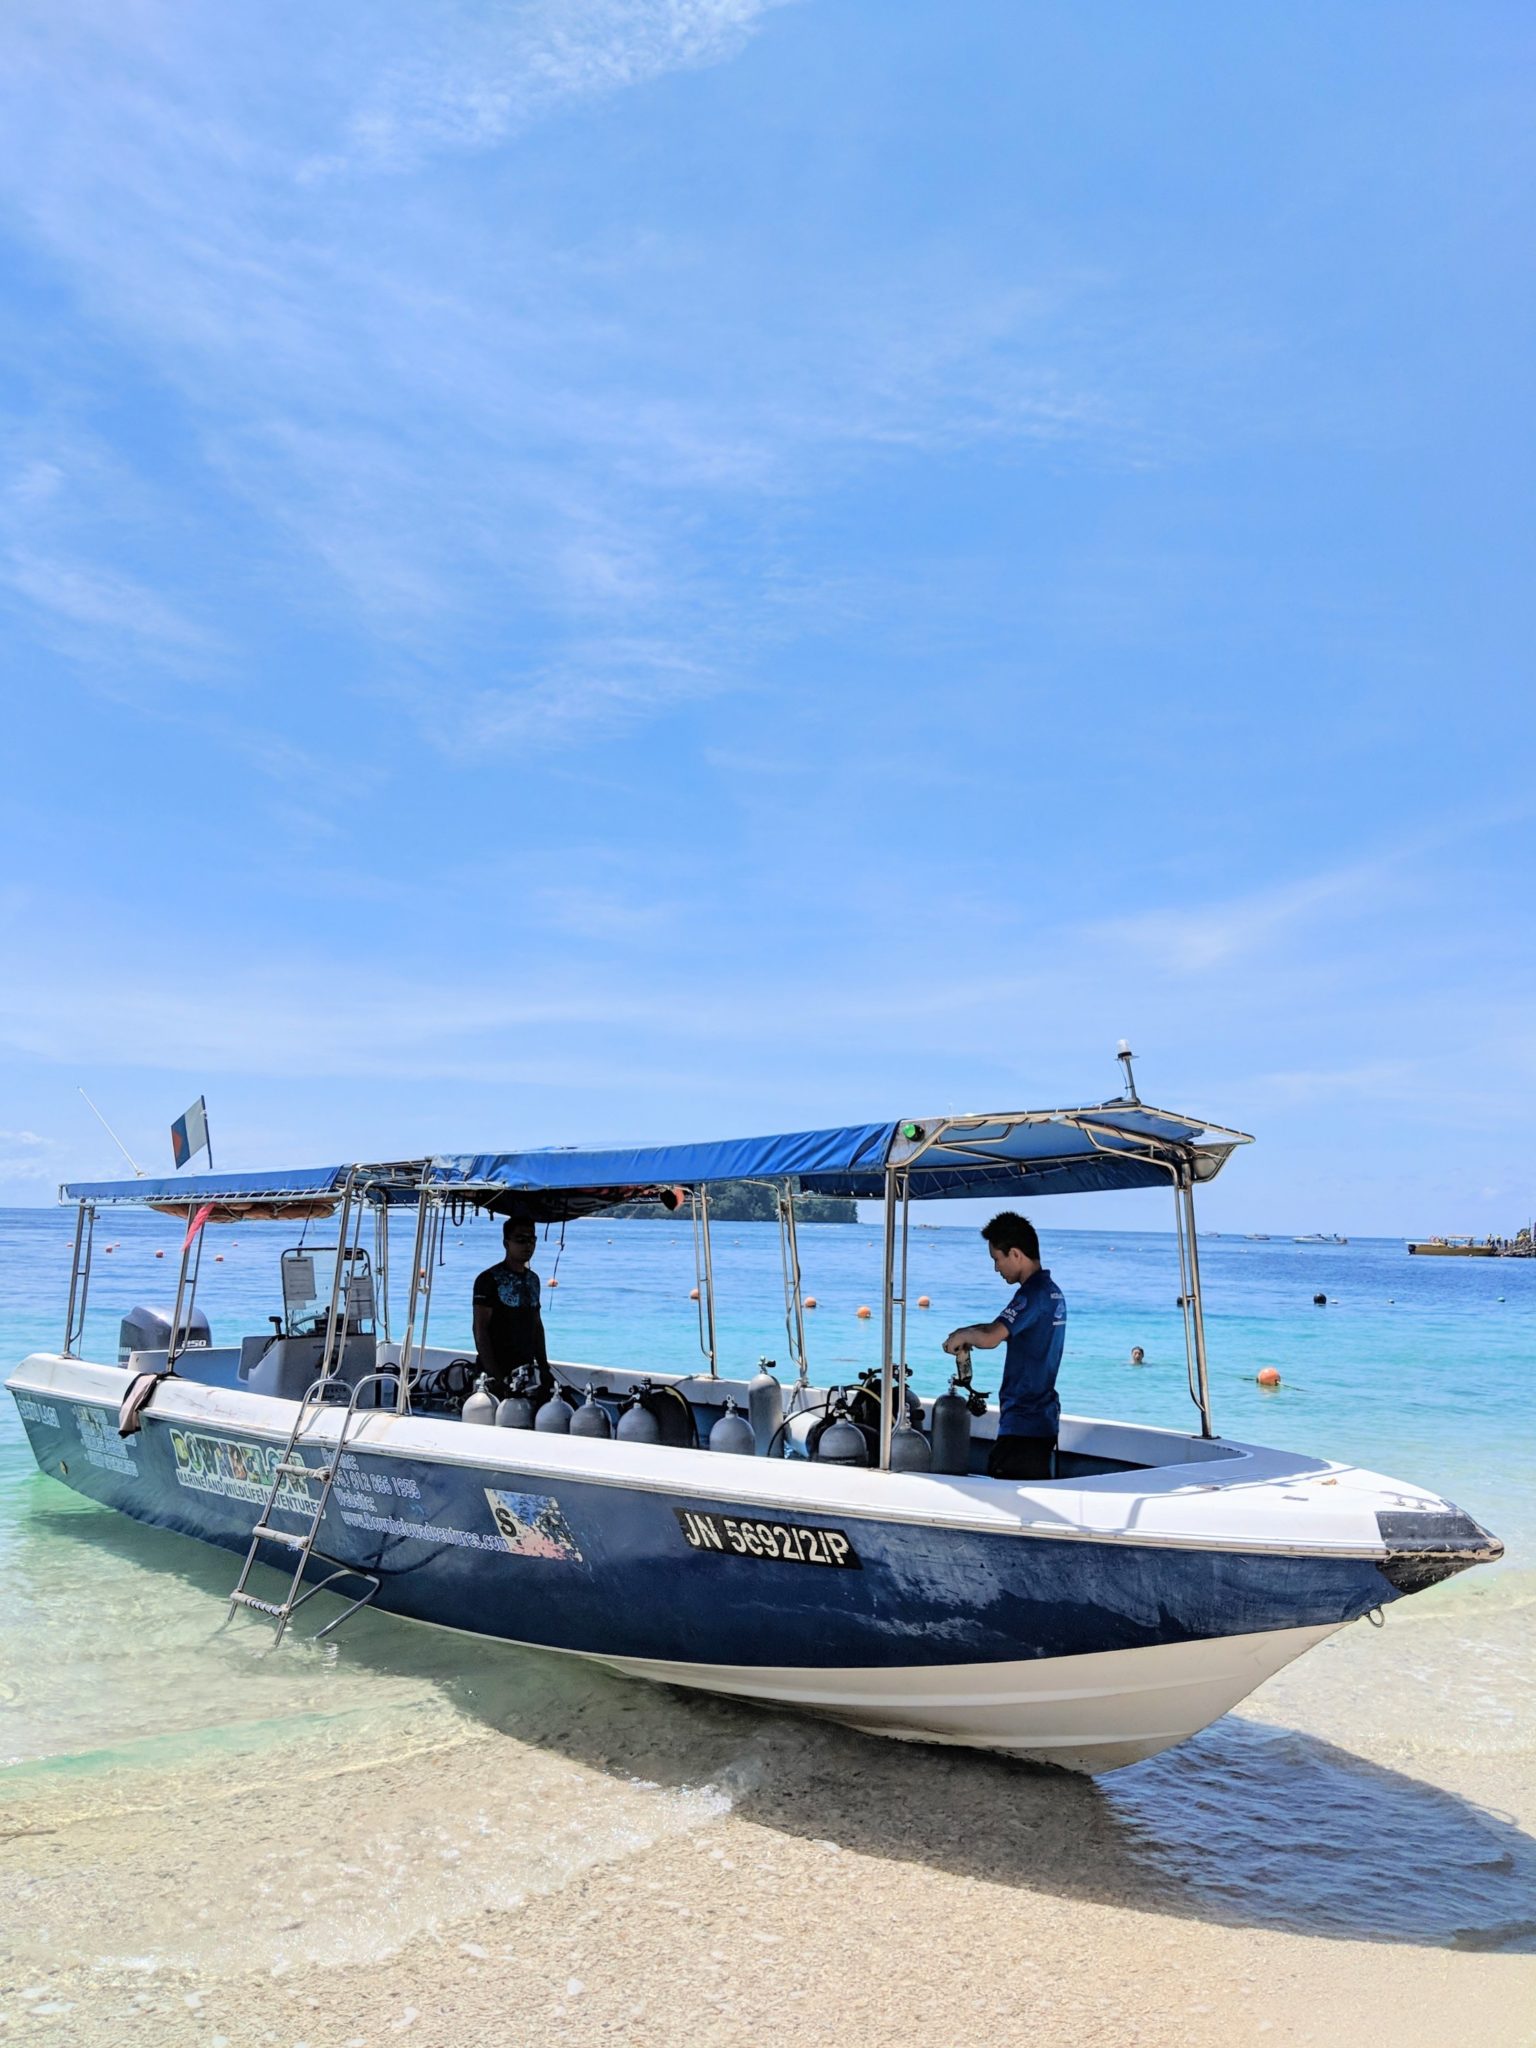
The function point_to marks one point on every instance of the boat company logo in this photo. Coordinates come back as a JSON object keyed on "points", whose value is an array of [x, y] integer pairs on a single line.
{"points": [[531, 1525], [239, 1471], [779, 1542], [102, 1445]]}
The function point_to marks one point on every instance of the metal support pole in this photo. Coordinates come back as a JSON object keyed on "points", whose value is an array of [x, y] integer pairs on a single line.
{"points": [[191, 1256], [888, 1321], [381, 1262], [402, 1400], [1197, 1303], [336, 1315], [79, 1277], [1185, 1286], [704, 1271], [794, 1296]]}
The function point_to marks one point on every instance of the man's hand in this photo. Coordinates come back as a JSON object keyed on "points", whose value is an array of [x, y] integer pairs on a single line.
{"points": [[959, 1340]]}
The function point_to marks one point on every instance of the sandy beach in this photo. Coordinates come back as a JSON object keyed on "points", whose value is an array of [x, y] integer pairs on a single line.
{"points": [[505, 1848]]}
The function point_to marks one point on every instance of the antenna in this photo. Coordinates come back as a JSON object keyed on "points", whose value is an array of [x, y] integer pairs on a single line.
{"points": [[1125, 1056], [138, 1170]]}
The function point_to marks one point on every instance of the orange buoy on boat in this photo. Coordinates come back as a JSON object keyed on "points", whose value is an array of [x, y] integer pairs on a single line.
{"points": [[863, 1315], [1268, 1376]]}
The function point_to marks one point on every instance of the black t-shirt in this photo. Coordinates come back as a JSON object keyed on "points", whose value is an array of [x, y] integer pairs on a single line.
{"points": [[517, 1328]]}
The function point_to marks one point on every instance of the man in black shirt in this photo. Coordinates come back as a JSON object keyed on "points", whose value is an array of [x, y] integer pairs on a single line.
{"points": [[509, 1330]]}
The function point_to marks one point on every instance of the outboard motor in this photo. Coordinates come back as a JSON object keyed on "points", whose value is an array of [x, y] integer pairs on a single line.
{"points": [[516, 1411], [481, 1405], [842, 1442], [951, 1443], [765, 1404], [591, 1419], [149, 1329], [637, 1422], [555, 1416], [733, 1432]]}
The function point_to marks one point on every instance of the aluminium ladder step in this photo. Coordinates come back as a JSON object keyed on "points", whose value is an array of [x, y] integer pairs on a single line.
{"points": [[273, 1607], [267, 1534], [291, 1466]]}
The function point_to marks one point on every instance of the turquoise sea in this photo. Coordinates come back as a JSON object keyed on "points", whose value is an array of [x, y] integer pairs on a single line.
{"points": [[122, 1693]]}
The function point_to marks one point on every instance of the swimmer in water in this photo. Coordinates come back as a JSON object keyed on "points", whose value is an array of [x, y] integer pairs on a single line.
{"points": [[1138, 1356]]}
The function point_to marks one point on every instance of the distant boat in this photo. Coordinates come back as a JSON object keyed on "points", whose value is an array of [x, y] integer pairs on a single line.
{"points": [[1257, 1237], [1453, 1248], [1318, 1237]]}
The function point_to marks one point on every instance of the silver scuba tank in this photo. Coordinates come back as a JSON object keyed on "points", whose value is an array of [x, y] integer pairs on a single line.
{"points": [[637, 1425], [515, 1412], [481, 1405], [733, 1432], [554, 1417], [765, 1404], [842, 1443], [950, 1426], [591, 1419], [909, 1449]]}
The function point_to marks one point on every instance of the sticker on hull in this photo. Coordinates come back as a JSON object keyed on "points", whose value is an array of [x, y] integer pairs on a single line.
{"points": [[531, 1525], [238, 1471]]}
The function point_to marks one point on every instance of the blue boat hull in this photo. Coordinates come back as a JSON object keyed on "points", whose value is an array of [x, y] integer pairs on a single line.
{"points": [[668, 1578]]}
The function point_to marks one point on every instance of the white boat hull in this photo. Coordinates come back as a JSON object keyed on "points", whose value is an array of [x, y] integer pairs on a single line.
{"points": [[1091, 1713]]}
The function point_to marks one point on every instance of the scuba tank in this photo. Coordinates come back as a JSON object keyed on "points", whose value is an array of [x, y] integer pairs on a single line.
{"points": [[516, 1411], [591, 1419], [842, 1442], [909, 1449], [765, 1404], [481, 1405], [637, 1424], [555, 1415], [802, 1413], [951, 1422], [733, 1433]]}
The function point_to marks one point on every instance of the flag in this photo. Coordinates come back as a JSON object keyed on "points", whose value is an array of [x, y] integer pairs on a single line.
{"points": [[197, 1223], [189, 1134]]}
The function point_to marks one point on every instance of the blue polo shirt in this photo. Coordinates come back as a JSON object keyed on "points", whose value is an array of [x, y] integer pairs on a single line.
{"points": [[1037, 1329]]}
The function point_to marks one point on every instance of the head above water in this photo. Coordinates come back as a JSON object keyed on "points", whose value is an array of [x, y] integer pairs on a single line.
{"points": [[1014, 1244]]}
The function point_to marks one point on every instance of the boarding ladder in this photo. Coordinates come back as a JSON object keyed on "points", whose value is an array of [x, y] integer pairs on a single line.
{"points": [[301, 1545]]}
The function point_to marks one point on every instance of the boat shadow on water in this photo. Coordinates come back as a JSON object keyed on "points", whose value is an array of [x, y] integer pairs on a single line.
{"points": [[1247, 1824]]}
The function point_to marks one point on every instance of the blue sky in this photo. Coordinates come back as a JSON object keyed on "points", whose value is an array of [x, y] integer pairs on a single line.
{"points": [[591, 569]]}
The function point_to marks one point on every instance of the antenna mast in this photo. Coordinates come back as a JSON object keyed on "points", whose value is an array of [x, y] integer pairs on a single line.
{"points": [[138, 1171], [1125, 1056]]}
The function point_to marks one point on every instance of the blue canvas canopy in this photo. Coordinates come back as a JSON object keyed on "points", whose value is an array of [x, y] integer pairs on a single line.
{"points": [[1074, 1151], [1008, 1155]]}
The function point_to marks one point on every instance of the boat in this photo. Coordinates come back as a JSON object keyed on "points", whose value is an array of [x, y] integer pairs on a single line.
{"points": [[1317, 1237], [719, 1543], [1452, 1248]]}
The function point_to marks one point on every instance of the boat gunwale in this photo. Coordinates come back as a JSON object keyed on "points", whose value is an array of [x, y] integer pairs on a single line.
{"points": [[206, 1408]]}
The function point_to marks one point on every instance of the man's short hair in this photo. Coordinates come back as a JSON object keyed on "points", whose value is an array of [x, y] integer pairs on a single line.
{"points": [[1013, 1233], [519, 1224]]}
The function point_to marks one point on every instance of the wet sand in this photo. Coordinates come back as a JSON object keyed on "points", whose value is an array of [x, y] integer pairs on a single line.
{"points": [[418, 1838]]}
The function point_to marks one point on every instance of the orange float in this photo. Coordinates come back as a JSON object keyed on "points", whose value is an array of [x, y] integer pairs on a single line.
{"points": [[923, 1301], [810, 1301], [1269, 1376], [693, 1294], [864, 1314]]}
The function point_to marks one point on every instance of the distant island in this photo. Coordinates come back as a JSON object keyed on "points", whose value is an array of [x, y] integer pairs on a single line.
{"points": [[748, 1201]]}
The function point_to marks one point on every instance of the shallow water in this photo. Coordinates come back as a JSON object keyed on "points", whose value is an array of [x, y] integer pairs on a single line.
{"points": [[329, 1802]]}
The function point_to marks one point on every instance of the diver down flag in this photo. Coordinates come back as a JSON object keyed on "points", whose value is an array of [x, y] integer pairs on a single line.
{"points": [[189, 1134]]}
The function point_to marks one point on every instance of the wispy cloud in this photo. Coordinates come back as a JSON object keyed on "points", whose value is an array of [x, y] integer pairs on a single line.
{"points": [[478, 78]]}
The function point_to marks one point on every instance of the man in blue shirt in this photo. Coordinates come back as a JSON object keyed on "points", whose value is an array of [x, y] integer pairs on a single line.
{"points": [[1034, 1327]]}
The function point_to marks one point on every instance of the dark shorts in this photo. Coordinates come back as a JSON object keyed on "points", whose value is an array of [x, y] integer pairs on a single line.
{"points": [[1022, 1457]]}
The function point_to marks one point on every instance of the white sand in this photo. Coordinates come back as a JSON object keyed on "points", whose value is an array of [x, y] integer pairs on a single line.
{"points": [[541, 1854]]}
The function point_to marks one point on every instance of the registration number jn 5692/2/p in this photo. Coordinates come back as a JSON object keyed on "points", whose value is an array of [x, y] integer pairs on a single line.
{"points": [[775, 1542]]}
